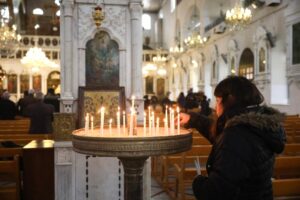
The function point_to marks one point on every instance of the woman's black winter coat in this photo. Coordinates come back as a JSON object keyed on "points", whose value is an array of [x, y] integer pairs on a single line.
{"points": [[241, 162]]}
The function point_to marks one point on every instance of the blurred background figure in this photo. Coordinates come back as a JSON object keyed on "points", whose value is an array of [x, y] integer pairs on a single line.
{"points": [[41, 115], [8, 109], [51, 98]]}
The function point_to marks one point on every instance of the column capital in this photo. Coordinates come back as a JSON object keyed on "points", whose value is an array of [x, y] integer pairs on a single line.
{"points": [[136, 10]]}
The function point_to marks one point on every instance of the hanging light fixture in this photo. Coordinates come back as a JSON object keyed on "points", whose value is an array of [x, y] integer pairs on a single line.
{"points": [[35, 58], [238, 16], [9, 39], [98, 15], [195, 40], [159, 59]]}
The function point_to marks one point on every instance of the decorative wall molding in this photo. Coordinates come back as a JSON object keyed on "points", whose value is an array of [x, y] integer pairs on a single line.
{"points": [[114, 23]]}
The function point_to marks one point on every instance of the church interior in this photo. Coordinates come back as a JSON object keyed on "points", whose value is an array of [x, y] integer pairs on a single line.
{"points": [[111, 78]]}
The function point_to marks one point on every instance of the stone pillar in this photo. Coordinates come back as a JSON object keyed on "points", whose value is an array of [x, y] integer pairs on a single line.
{"points": [[66, 33], [136, 11]]}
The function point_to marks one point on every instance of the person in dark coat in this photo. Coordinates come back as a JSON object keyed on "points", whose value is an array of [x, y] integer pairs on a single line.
{"points": [[51, 98], [27, 100], [20, 104], [247, 136], [40, 114], [8, 109]]}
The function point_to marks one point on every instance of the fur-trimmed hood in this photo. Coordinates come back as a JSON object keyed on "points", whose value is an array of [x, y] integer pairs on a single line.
{"points": [[266, 122]]}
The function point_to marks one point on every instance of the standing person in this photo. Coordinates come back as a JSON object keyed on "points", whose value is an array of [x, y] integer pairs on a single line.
{"points": [[51, 98], [40, 114], [20, 104], [29, 99], [181, 101], [247, 136], [8, 109]]}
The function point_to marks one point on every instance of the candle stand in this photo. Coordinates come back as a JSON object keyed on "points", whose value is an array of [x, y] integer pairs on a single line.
{"points": [[132, 151]]}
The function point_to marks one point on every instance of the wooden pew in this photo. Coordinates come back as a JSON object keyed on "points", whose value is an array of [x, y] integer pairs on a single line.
{"points": [[292, 149], [287, 167], [10, 183], [18, 126], [286, 188], [185, 170], [23, 139]]}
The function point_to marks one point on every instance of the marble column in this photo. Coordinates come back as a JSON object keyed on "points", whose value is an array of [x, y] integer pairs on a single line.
{"points": [[136, 11], [67, 99]]}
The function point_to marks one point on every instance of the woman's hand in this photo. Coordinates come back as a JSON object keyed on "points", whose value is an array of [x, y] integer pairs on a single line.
{"points": [[184, 118]]}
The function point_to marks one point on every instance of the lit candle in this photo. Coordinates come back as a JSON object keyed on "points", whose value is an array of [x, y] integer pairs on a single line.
{"points": [[149, 118], [166, 116], [145, 124], [110, 122], [92, 124], [157, 125], [178, 120], [118, 121], [131, 122], [86, 125], [165, 122], [153, 122], [124, 122], [102, 119], [132, 101]]}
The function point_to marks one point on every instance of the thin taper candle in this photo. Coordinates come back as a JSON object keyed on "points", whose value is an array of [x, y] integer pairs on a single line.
{"points": [[178, 120], [92, 124], [124, 122]]}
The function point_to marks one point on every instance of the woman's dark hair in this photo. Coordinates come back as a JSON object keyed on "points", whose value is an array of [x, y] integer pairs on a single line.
{"points": [[238, 91]]}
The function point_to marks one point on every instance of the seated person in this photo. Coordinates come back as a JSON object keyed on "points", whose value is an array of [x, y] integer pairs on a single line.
{"points": [[8, 109], [40, 114]]}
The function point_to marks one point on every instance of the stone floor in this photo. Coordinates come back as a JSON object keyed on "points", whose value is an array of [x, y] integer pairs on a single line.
{"points": [[157, 193]]}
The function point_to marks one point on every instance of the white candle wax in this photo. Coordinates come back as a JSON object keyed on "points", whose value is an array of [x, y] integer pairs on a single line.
{"points": [[118, 121], [92, 124], [144, 124], [157, 125], [132, 101], [152, 122], [102, 119], [178, 120], [110, 122], [166, 115], [131, 123], [149, 118], [124, 122], [86, 125]]}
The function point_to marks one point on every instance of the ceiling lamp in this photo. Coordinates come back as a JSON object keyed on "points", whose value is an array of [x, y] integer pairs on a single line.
{"points": [[9, 40], [238, 16], [37, 11], [195, 40], [35, 58], [176, 51], [2, 73], [159, 59], [98, 15], [161, 72]]}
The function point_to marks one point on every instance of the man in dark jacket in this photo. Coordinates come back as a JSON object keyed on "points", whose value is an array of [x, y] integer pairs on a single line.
{"points": [[245, 142], [40, 114], [8, 109]]}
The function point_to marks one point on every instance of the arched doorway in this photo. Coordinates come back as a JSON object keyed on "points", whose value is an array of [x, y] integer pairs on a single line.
{"points": [[53, 81], [246, 67]]}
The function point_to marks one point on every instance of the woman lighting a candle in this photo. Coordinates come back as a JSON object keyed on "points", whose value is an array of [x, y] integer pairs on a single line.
{"points": [[246, 138]]}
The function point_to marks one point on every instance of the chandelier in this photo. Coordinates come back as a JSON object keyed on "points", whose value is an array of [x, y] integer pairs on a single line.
{"points": [[35, 58], [176, 51], [195, 40], [2, 73], [238, 16], [159, 59], [9, 39]]}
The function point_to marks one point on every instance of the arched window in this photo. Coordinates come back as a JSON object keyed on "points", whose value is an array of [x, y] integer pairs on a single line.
{"points": [[246, 68], [146, 21]]}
